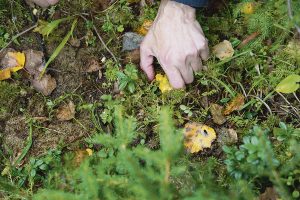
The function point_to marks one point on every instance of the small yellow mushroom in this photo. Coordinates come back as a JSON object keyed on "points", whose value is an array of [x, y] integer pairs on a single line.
{"points": [[248, 8], [164, 84]]}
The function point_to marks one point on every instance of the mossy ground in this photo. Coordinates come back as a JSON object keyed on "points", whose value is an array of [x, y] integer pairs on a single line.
{"points": [[255, 71]]}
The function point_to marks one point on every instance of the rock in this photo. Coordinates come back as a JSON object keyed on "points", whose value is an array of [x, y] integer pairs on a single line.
{"points": [[34, 62], [131, 41], [45, 85], [227, 137], [116, 89], [217, 114], [66, 112]]}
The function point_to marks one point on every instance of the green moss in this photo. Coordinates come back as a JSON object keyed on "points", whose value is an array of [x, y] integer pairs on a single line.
{"points": [[8, 94]]}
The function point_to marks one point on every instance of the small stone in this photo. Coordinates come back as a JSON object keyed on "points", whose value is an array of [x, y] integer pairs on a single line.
{"points": [[116, 89], [217, 114], [227, 137], [131, 41]]}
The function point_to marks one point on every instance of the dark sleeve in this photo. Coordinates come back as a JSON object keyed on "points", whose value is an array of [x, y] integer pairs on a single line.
{"points": [[193, 3]]}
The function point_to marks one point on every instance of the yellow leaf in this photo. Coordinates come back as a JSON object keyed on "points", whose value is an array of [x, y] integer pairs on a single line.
{"points": [[248, 8], [235, 104], [164, 84], [89, 151], [17, 59], [143, 30], [5, 74], [20, 58], [198, 136]]}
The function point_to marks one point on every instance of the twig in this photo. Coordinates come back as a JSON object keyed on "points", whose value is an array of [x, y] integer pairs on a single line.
{"points": [[293, 108], [295, 95], [267, 106], [290, 12], [248, 39], [18, 35], [101, 40]]}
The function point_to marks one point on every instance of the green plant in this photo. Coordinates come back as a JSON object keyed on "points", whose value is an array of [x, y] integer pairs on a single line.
{"points": [[126, 172], [256, 158], [128, 78], [186, 110], [112, 69]]}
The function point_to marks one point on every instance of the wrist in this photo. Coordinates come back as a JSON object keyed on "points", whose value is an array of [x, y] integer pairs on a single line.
{"points": [[173, 9]]}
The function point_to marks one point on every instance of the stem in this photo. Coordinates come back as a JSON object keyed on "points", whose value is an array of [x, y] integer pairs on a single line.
{"points": [[18, 35]]}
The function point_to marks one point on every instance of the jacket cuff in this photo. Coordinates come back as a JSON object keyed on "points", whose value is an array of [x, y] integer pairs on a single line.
{"points": [[193, 3]]}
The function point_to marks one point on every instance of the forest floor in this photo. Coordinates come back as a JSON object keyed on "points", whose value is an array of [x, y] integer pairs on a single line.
{"points": [[48, 129]]}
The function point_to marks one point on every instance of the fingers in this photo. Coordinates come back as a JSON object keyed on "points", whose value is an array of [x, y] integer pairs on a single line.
{"points": [[147, 62], [204, 52], [174, 76], [195, 63], [187, 73], [52, 2]]}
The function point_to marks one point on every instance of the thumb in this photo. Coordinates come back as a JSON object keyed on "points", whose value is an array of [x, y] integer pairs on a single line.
{"points": [[147, 61]]}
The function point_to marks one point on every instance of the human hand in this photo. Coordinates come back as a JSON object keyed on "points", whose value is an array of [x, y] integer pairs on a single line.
{"points": [[177, 41], [43, 3]]}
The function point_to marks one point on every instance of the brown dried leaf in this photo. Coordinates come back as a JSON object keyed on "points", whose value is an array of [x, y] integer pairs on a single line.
{"points": [[235, 104], [34, 62], [66, 112], [45, 85], [93, 66], [132, 56]]}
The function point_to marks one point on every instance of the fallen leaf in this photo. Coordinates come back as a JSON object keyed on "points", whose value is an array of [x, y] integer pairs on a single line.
{"points": [[143, 30], [11, 62], [89, 151], [132, 56], [235, 104], [198, 136], [164, 84], [93, 66], [216, 112], [80, 156], [248, 8], [223, 50], [75, 42], [66, 112], [5, 74], [269, 194], [45, 85], [289, 85], [34, 62]]}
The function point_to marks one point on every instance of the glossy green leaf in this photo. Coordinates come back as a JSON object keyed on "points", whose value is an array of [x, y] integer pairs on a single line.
{"points": [[289, 85]]}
